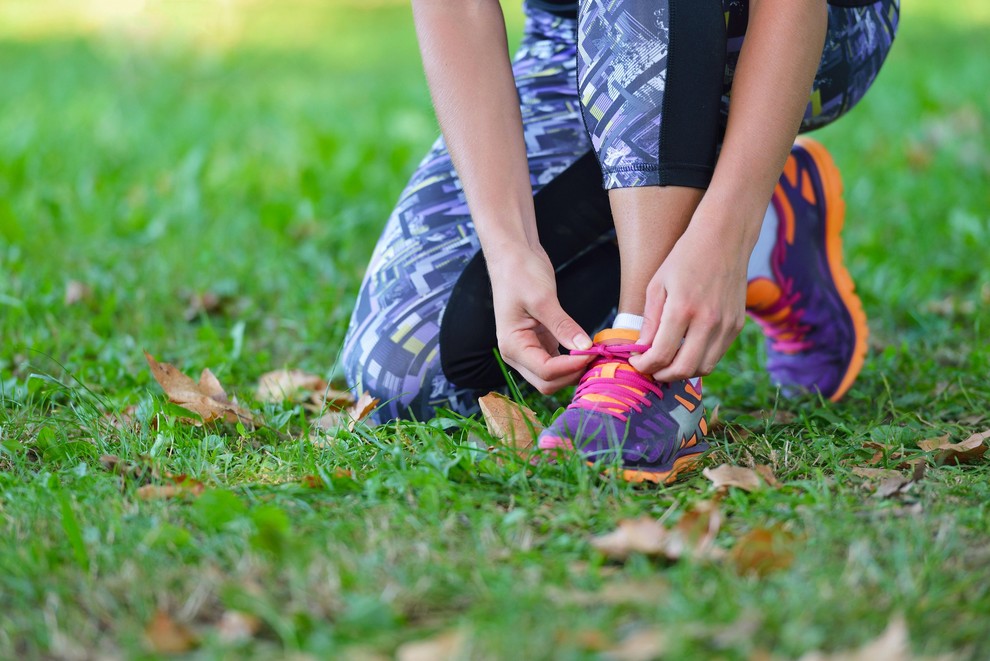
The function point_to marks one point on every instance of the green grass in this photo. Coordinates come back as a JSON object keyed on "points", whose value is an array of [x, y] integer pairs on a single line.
{"points": [[255, 153]]}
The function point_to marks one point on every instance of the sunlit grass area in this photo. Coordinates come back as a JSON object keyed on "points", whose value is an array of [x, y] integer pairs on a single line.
{"points": [[154, 155]]}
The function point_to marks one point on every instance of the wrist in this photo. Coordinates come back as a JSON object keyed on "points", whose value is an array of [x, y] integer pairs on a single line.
{"points": [[737, 221]]}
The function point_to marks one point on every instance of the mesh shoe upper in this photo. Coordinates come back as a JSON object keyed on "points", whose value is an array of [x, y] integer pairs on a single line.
{"points": [[619, 415]]}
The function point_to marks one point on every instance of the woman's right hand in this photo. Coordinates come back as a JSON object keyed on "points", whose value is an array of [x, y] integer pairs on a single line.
{"points": [[529, 322]]}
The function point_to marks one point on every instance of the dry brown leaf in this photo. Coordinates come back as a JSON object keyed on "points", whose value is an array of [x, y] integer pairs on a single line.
{"points": [[643, 645], [206, 398], [237, 626], [282, 385], [693, 536], [714, 422], [726, 476], [361, 409], [891, 645], [766, 473], [166, 636], [645, 535], [893, 486], [329, 398], [76, 292], [444, 646], [965, 452], [514, 424], [694, 533], [876, 473], [763, 550], [183, 486]]}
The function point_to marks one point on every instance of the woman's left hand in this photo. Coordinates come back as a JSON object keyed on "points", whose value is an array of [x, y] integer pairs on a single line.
{"points": [[695, 306]]}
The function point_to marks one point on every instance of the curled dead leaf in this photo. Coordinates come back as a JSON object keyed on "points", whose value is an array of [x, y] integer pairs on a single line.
{"points": [[206, 398], [282, 385], [361, 409], [645, 535], [514, 424], [726, 476], [693, 536], [334, 421], [166, 636], [965, 452], [763, 550]]}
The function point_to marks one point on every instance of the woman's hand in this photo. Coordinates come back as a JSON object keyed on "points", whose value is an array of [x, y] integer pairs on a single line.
{"points": [[530, 323], [695, 306]]}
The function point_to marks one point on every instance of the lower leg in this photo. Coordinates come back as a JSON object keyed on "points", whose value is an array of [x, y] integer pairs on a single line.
{"points": [[648, 222]]}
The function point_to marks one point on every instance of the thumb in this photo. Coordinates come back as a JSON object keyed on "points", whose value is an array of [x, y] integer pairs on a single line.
{"points": [[564, 329]]}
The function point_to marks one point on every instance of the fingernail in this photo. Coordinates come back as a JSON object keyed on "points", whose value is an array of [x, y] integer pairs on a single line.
{"points": [[582, 342]]}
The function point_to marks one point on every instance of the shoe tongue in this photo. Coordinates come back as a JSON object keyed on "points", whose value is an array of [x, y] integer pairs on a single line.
{"points": [[616, 336]]}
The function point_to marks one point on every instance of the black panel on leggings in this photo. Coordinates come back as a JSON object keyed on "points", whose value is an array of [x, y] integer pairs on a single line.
{"points": [[690, 127], [572, 217], [562, 8]]}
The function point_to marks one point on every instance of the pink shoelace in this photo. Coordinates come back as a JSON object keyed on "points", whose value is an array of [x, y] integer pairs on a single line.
{"points": [[787, 334], [628, 388]]}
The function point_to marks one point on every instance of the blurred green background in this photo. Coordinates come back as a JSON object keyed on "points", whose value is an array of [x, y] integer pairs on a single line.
{"points": [[153, 152]]}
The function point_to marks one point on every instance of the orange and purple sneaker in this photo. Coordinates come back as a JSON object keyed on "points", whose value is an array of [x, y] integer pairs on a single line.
{"points": [[814, 323], [620, 417]]}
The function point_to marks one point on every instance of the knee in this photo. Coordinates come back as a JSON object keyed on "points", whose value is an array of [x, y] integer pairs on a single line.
{"points": [[395, 367]]}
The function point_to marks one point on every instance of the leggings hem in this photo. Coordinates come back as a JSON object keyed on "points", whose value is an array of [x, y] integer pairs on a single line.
{"points": [[689, 176]]}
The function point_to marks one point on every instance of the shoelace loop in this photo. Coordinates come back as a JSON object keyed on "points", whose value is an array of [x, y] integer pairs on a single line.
{"points": [[625, 390]]}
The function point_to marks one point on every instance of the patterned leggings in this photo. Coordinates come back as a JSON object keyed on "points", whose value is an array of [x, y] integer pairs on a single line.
{"points": [[606, 98]]}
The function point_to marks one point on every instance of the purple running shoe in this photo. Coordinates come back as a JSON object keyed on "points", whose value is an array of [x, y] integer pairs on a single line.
{"points": [[622, 417], [814, 323]]}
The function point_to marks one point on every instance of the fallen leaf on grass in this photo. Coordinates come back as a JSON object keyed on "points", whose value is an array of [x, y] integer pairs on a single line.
{"points": [[693, 536], [891, 645], [181, 487], [900, 484], [965, 452], [206, 398], [766, 473], [643, 645], [763, 550], [282, 385], [444, 646], [876, 473], [357, 412], [166, 636], [512, 423], [237, 626], [726, 476]]}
